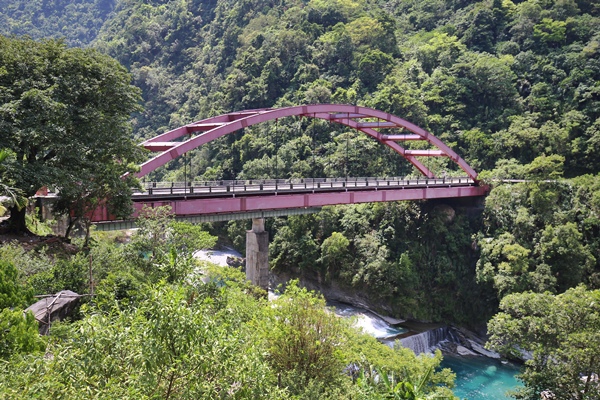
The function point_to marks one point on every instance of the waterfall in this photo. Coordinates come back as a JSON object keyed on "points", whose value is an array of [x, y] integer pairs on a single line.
{"points": [[426, 342], [367, 321]]}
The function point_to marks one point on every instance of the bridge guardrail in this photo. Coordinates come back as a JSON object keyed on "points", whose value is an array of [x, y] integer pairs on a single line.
{"points": [[275, 185]]}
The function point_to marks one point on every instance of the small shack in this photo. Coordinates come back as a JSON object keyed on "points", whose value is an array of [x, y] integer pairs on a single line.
{"points": [[52, 308]]}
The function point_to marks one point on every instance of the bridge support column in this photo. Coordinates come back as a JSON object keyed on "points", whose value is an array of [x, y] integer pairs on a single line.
{"points": [[257, 254]]}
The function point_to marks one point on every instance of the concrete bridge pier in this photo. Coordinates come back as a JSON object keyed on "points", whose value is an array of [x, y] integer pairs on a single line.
{"points": [[257, 254]]}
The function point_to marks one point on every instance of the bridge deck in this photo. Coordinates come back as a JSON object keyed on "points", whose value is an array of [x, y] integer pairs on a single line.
{"points": [[233, 197], [262, 187]]}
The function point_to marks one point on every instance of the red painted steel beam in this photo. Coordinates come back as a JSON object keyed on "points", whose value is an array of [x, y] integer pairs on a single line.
{"points": [[159, 146], [401, 138], [395, 146], [203, 127], [227, 205], [377, 125], [348, 115], [425, 153]]}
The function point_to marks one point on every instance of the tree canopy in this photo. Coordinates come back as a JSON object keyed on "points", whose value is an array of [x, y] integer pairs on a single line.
{"points": [[64, 116], [563, 334]]}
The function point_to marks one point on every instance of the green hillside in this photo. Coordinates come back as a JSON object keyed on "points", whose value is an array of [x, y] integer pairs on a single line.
{"points": [[497, 80], [76, 21], [512, 86]]}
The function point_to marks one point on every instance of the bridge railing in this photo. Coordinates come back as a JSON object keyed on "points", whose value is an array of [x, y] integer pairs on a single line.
{"points": [[275, 185]]}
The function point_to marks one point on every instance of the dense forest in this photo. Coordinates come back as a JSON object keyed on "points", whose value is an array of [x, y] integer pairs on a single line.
{"points": [[512, 86]]}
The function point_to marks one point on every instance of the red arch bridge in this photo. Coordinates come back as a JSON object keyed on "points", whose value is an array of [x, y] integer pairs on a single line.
{"points": [[225, 200]]}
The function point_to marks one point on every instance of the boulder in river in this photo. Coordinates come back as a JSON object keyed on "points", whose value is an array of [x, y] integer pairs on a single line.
{"points": [[463, 351], [483, 351]]}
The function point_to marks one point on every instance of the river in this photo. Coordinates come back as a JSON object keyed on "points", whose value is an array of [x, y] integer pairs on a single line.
{"points": [[482, 378]]}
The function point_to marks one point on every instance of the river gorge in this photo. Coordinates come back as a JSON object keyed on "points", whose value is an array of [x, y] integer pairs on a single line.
{"points": [[480, 374]]}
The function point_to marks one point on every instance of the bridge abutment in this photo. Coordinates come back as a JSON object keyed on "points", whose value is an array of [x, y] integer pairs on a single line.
{"points": [[257, 254]]}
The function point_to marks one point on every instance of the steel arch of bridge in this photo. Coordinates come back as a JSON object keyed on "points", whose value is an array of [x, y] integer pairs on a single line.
{"points": [[356, 117]]}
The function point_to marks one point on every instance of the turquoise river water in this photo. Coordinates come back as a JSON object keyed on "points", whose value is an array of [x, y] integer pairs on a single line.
{"points": [[482, 378]]}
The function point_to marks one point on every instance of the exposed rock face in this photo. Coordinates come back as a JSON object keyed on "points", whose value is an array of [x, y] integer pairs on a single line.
{"points": [[483, 351], [53, 308], [525, 355], [449, 339], [463, 351], [331, 290]]}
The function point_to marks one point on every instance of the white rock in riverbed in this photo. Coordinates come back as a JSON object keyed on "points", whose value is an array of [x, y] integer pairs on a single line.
{"points": [[218, 257], [482, 350], [463, 351]]}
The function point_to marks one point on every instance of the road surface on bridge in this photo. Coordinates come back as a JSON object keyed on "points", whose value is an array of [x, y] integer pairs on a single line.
{"points": [[232, 188]]}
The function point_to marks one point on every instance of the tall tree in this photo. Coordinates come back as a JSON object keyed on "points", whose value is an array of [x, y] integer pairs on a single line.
{"points": [[65, 114], [563, 334]]}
